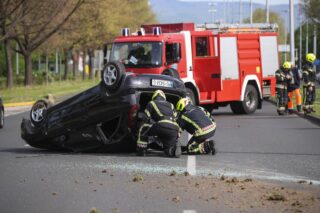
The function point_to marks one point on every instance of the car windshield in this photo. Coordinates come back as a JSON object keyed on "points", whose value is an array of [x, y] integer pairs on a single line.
{"points": [[138, 54]]}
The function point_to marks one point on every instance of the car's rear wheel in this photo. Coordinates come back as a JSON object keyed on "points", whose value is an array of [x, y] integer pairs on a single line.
{"points": [[171, 72], [112, 74], [1, 118], [38, 113]]}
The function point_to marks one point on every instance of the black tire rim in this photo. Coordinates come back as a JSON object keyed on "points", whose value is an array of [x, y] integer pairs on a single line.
{"points": [[110, 75], [38, 112]]}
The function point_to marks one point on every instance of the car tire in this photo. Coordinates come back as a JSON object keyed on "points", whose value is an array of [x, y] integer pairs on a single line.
{"points": [[112, 75], [1, 118], [249, 103], [38, 113], [171, 72]]}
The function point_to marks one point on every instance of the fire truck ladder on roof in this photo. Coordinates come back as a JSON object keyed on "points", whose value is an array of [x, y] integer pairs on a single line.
{"points": [[238, 28]]}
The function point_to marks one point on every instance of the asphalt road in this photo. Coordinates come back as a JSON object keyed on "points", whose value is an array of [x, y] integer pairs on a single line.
{"points": [[262, 146]]}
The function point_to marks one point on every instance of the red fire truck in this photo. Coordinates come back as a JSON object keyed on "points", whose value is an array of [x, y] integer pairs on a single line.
{"points": [[220, 64]]}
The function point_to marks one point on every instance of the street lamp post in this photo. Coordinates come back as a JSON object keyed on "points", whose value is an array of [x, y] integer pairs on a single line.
{"points": [[292, 48], [267, 11], [212, 10], [285, 34], [251, 12]]}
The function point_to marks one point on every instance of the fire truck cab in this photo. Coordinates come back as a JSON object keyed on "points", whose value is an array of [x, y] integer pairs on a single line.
{"points": [[220, 64]]}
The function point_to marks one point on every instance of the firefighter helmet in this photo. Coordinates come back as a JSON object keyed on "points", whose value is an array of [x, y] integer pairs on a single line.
{"points": [[158, 93], [310, 57], [182, 103], [286, 65]]}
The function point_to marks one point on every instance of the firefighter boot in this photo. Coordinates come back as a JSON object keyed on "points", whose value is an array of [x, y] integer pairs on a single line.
{"points": [[207, 147], [290, 111], [141, 151], [142, 148], [299, 108], [173, 151]]}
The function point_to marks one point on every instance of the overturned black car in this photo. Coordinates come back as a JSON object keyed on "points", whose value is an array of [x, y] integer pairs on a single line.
{"points": [[102, 118]]}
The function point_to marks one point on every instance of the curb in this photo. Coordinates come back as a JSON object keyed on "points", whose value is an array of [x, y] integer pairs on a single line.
{"points": [[19, 104], [312, 118]]}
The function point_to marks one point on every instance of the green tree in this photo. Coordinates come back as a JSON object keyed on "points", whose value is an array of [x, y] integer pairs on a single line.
{"points": [[45, 18], [311, 9]]}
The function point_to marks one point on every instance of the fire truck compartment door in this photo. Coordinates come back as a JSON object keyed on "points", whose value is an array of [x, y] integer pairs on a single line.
{"points": [[269, 55], [229, 58], [206, 67]]}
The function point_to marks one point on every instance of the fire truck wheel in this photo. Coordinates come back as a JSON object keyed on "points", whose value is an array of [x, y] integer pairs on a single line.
{"points": [[191, 95], [171, 72], [249, 103], [112, 74]]}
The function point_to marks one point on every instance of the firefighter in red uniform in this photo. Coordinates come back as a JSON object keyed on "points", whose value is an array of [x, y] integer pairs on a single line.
{"points": [[198, 122], [294, 88], [309, 78], [160, 121], [282, 78]]}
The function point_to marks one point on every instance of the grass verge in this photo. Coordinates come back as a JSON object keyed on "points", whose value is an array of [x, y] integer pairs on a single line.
{"points": [[33, 93]]}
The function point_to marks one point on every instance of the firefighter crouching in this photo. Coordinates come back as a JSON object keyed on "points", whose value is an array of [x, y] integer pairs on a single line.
{"points": [[161, 122], [200, 124], [294, 88], [309, 78], [282, 78]]}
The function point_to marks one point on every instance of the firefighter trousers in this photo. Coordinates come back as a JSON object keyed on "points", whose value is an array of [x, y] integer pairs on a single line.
{"points": [[282, 98], [309, 95], [200, 144], [167, 134], [298, 99]]}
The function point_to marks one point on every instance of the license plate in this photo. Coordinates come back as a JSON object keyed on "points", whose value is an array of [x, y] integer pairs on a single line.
{"points": [[161, 83]]}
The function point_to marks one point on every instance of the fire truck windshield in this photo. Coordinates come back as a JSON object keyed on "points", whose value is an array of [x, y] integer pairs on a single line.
{"points": [[138, 54]]}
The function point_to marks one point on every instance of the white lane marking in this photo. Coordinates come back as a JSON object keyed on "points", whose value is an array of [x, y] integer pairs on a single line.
{"points": [[191, 165], [189, 211]]}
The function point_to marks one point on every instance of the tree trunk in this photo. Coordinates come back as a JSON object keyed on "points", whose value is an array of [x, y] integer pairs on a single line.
{"points": [[91, 55], [28, 69], [8, 55], [65, 75], [84, 64], [74, 65]]}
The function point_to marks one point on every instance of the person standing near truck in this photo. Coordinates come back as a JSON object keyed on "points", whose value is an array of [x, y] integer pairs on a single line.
{"points": [[282, 78], [294, 88], [309, 78]]}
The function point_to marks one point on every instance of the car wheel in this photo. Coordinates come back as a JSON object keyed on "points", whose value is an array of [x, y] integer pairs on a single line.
{"points": [[1, 118], [171, 72], [38, 113], [191, 96], [249, 103], [112, 74]]}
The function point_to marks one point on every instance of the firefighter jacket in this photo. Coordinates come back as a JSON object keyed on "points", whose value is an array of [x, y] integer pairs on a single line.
{"points": [[161, 111], [281, 79], [294, 82], [308, 75], [196, 120]]}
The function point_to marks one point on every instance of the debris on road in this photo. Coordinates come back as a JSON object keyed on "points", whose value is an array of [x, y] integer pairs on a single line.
{"points": [[138, 178]]}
